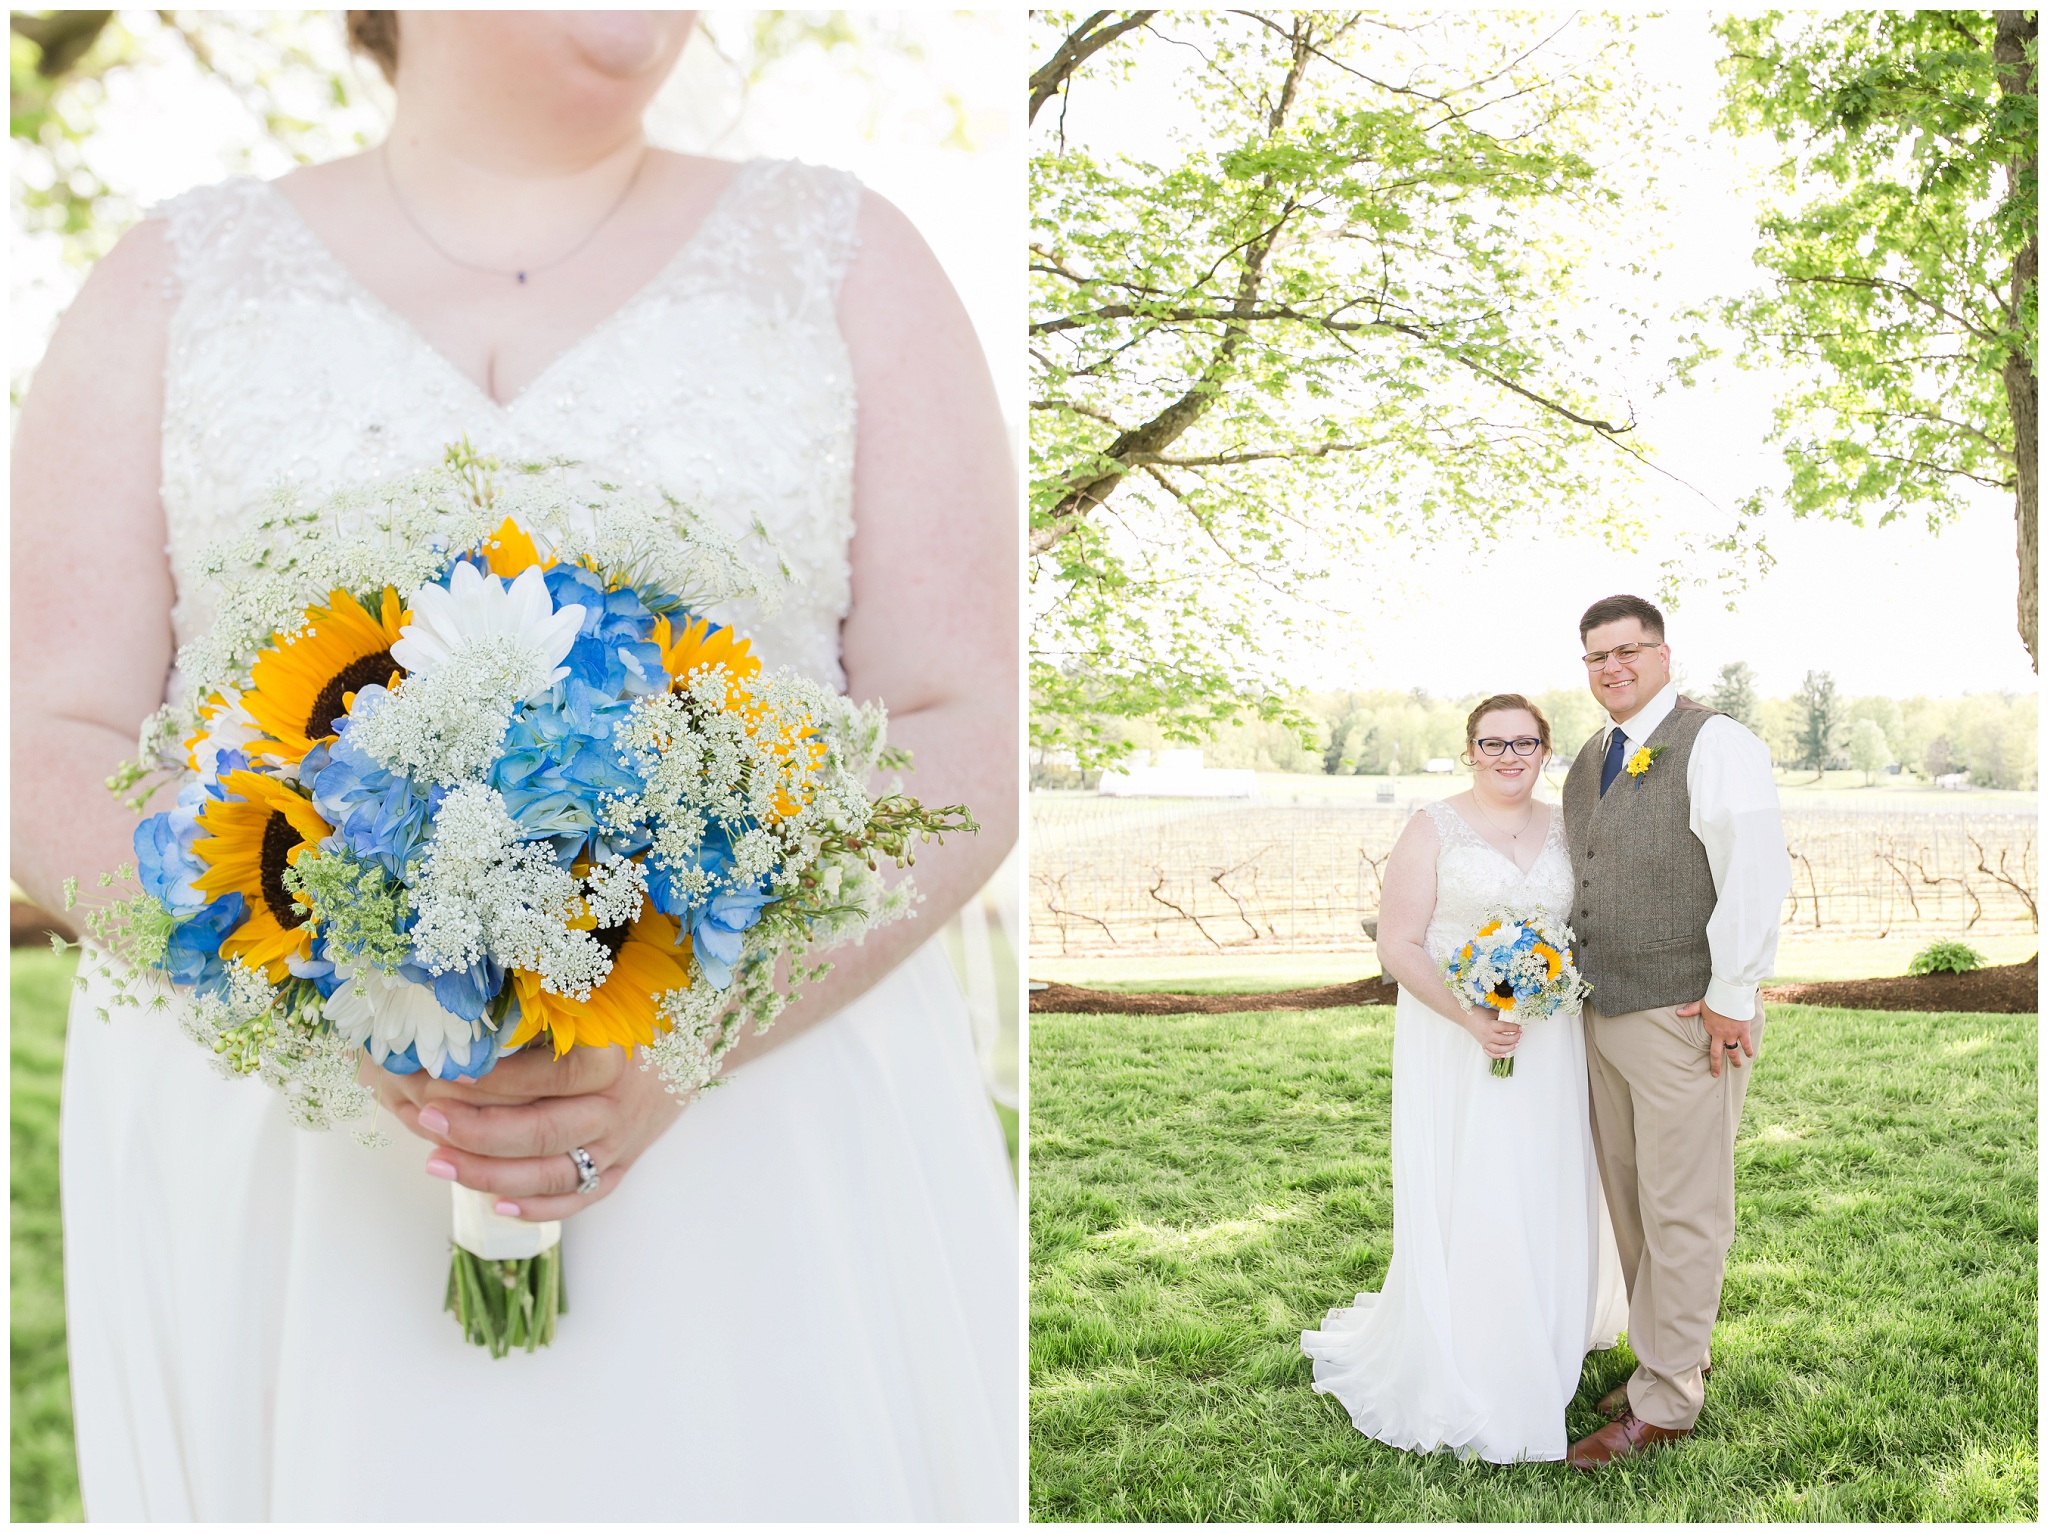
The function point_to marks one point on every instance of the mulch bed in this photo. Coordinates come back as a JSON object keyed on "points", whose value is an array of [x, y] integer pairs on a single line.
{"points": [[2010, 987]]}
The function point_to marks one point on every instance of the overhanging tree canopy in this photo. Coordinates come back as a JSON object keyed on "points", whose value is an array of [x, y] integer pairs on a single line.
{"points": [[1340, 309], [1905, 256]]}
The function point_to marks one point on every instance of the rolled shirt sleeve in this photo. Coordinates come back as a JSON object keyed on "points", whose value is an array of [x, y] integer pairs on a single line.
{"points": [[1735, 815]]}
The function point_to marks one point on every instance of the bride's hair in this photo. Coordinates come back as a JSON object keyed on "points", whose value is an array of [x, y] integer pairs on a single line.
{"points": [[1503, 702], [376, 33]]}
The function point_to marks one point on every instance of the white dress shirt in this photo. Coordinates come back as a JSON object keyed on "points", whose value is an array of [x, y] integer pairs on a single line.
{"points": [[1735, 815]]}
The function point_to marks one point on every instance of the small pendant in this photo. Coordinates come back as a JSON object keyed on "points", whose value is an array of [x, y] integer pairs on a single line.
{"points": [[521, 276]]}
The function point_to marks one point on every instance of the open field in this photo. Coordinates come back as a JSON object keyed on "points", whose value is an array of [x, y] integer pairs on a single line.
{"points": [[1203, 1188], [1230, 879]]}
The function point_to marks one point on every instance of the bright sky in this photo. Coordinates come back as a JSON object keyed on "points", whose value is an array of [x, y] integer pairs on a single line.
{"points": [[1891, 610]]}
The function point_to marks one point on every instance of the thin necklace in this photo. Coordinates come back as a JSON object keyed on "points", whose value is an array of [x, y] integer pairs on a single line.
{"points": [[1512, 835], [523, 272]]}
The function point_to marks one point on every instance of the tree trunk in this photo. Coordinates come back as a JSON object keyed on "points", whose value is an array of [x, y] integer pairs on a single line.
{"points": [[2023, 393], [2022, 386]]}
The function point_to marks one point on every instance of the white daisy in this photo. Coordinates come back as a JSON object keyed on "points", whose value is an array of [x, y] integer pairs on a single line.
{"points": [[385, 1012], [229, 727], [477, 606]]}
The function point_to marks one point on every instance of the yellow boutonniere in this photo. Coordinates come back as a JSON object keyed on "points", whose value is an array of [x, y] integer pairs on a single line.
{"points": [[1638, 765]]}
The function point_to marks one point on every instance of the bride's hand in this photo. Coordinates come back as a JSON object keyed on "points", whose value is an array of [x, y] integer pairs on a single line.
{"points": [[1496, 1035], [510, 1132]]}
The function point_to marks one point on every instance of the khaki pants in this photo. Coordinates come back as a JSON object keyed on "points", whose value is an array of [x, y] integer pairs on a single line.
{"points": [[1664, 1134]]}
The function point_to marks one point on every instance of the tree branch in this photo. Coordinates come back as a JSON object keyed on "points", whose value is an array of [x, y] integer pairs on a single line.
{"points": [[63, 36], [1086, 40], [1885, 284]]}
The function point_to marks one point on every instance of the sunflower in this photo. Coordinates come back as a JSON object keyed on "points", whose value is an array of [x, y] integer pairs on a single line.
{"points": [[701, 644], [510, 550], [300, 686], [646, 963], [247, 843], [1552, 958]]}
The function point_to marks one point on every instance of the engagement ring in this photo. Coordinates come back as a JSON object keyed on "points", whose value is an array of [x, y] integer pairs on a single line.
{"points": [[586, 1170]]}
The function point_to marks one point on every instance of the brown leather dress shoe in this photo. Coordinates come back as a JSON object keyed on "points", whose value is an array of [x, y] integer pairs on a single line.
{"points": [[1615, 1401], [1624, 1437]]}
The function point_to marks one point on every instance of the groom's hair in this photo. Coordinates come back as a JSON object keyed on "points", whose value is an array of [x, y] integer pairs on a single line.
{"points": [[1612, 609]]}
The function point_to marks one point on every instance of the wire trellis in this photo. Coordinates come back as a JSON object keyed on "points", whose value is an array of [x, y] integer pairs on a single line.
{"points": [[1171, 876]]}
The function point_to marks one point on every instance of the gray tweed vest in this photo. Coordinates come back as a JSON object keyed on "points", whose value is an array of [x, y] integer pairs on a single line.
{"points": [[1645, 890]]}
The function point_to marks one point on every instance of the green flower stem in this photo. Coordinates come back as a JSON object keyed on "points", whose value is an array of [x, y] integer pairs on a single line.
{"points": [[1504, 1068], [507, 1304]]}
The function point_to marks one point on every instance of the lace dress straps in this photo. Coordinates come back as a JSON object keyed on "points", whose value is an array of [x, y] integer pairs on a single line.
{"points": [[785, 233], [1451, 828]]}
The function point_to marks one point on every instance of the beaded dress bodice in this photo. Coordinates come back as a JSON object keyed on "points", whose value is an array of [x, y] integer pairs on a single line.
{"points": [[724, 383], [1473, 878]]}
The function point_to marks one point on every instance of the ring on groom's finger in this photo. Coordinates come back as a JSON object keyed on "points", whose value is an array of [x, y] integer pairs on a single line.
{"points": [[1731, 1045], [586, 1170]]}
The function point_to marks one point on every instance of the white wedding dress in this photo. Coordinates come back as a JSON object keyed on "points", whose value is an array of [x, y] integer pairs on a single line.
{"points": [[803, 1305], [1504, 1273]]}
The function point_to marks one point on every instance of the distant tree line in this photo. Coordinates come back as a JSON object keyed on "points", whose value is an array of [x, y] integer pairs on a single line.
{"points": [[1989, 738]]}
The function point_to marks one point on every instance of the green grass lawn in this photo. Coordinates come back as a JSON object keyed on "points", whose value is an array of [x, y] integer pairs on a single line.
{"points": [[1204, 1188], [44, 1475]]}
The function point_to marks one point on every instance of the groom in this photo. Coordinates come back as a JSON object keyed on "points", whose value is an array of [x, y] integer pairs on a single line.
{"points": [[1679, 860]]}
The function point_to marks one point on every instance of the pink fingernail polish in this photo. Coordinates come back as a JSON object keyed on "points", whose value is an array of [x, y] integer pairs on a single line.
{"points": [[444, 1169], [508, 1209], [433, 1120]]}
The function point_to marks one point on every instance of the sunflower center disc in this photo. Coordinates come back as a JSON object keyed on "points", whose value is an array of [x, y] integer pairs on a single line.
{"points": [[280, 836], [369, 671]]}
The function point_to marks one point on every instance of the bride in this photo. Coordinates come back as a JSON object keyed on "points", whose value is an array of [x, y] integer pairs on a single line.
{"points": [[793, 1299], [1504, 1272]]}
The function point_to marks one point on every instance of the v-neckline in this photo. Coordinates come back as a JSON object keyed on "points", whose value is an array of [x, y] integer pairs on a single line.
{"points": [[713, 215], [1520, 871]]}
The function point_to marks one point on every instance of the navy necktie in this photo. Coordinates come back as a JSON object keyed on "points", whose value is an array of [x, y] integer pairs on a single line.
{"points": [[1610, 768]]}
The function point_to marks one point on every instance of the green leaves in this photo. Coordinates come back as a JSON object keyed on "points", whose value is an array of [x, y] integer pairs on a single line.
{"points": [[1903, 246], [1326, 327]]}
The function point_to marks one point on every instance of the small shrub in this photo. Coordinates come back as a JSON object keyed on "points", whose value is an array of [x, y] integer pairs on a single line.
{"points": [[1946, 958]]}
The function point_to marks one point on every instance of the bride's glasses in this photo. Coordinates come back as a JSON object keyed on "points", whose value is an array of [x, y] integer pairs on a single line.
{"points": [[1522, 745]]}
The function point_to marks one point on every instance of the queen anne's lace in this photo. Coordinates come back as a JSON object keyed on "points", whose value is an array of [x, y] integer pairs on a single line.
{"points": [[483, 890], [447, 725]]}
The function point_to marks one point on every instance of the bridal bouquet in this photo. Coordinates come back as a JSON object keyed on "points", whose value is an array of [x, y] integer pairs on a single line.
{"points": [[463, 771], [1519, 963]]}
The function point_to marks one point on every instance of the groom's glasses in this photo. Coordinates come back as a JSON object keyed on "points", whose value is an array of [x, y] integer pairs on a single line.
{"points": [[1526, 745], [1625, 653]]}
